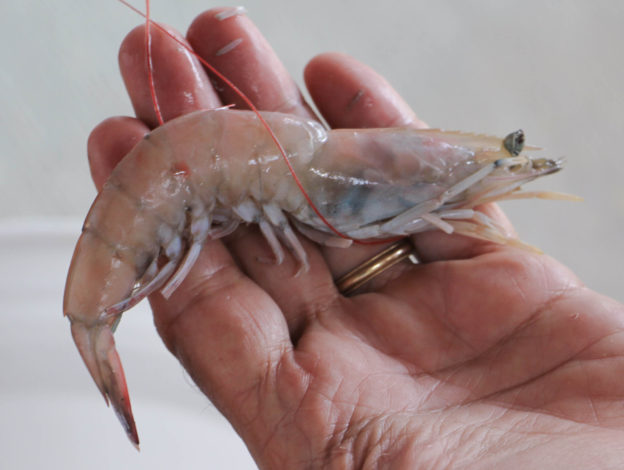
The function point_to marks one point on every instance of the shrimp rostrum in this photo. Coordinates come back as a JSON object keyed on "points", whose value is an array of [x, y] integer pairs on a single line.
{"points": [[199, 176]]}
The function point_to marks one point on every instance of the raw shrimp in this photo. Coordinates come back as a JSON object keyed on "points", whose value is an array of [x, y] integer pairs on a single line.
{"points": [[201, 175]]}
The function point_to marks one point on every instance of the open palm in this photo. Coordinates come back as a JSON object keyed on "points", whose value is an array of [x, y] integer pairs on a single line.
{"points": [[483, 356]]}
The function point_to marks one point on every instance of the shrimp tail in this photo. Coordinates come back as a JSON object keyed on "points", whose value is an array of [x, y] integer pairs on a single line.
{"points": [[97, 348]]}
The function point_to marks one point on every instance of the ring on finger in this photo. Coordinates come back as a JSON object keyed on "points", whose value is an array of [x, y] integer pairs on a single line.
{"points": [[373, 267]]}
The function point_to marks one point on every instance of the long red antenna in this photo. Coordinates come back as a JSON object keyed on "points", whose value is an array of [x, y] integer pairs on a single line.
{"points": [[150, 65]]}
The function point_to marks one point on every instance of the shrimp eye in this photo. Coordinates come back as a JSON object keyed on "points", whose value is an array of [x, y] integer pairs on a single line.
{"points": [[514, 142]]}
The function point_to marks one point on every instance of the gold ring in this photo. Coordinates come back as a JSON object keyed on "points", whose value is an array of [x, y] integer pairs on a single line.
{"points": [[363, 273]]}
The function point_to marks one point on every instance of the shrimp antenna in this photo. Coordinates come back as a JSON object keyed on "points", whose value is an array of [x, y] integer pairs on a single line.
{"points": [[150, 65]]}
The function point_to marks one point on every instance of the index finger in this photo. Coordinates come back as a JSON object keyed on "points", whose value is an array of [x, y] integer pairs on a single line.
{"points": [[349, 94], [180, 83]]}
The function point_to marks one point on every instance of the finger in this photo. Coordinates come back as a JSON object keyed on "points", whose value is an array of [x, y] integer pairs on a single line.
{"points": [[229, 41], [350, 94], [180, 83], [109, 142]]}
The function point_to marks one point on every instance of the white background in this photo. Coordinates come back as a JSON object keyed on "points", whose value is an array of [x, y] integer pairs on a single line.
{"points": [[553, 68]]}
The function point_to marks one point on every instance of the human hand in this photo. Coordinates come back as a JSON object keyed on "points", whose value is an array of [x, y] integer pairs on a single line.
{"points": [[483, 355]]}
